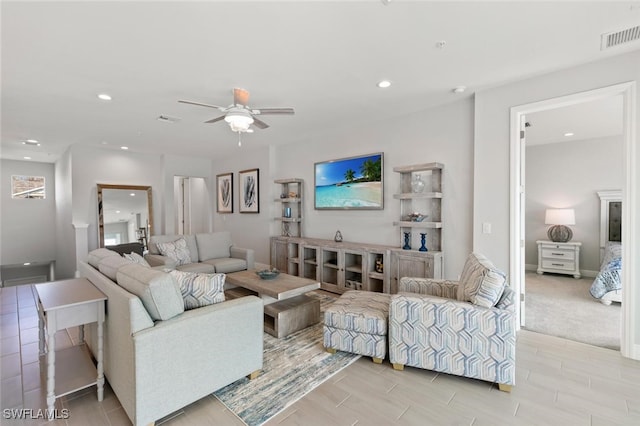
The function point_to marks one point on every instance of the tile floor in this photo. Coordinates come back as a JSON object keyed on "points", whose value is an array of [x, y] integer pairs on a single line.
{"points": [[558, 382]]}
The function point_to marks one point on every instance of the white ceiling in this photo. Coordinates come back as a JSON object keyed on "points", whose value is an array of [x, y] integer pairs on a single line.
{"points": [[321, 58], [589, 120]]}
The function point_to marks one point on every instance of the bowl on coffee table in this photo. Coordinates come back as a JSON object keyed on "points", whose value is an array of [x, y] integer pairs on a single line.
{"points": [[268, 274]]}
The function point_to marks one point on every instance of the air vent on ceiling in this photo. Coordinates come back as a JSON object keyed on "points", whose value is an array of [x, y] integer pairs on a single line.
{"points": [[168, 119], [620, 37]]}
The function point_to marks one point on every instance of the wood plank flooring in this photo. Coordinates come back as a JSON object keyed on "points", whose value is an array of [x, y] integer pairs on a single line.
{"points": [[557, 382]]}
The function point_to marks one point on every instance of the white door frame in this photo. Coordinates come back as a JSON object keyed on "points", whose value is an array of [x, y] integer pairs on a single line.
{"points": [[629, 191]]}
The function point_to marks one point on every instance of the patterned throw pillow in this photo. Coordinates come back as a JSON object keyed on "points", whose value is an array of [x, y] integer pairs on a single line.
{"points": [[176, 250], [481, 283], [135, 257], [200, 289]]}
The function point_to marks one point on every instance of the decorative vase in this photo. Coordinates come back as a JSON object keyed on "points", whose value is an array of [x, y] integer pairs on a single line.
{"points": [[423, 241], [338, 237], [407, 245], [417, 184]]}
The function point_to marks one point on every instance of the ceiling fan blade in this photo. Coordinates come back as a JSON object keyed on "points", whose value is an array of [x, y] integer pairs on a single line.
{"points": [[240, 97], [213, 120], [273, 111], [259, 123], [204, 105]]}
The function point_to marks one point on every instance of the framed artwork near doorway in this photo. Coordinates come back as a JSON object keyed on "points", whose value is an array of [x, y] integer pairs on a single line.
{"points": [[249, 189], [224, 185]]}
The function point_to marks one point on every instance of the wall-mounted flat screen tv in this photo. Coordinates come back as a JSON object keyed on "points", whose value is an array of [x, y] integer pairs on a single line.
{"points": [[354, 183]]}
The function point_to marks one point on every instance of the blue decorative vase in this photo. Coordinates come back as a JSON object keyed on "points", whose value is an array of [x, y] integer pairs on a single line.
{"points": [[423, 240], [407, 245]]}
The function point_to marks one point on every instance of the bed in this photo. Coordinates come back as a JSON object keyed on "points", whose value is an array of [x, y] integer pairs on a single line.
{"points": [[607, 286]]}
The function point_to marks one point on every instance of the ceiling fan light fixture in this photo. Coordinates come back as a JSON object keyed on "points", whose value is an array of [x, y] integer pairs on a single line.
{"points": [[239, 121]]}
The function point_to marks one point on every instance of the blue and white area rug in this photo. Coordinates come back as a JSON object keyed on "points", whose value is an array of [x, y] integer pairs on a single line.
{"points": [[293, 366]]}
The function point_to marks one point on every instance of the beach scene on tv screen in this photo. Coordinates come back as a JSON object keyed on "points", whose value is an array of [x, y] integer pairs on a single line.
{"points": [[350, 183]]}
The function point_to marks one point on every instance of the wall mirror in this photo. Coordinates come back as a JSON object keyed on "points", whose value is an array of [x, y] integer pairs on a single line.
{"points": [[125, 214]]}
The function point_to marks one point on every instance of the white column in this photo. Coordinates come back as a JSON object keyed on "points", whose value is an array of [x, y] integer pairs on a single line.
{"points": [[82, 244]]}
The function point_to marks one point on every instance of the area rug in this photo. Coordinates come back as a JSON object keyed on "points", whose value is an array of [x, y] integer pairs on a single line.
{"points": [[293, 366]]}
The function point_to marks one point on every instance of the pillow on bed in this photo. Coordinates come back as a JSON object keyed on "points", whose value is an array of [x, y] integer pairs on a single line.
{"points": [[612, 250]]}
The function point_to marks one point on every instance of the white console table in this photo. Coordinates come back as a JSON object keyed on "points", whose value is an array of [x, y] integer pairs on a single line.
{"points": [[64, 304]]}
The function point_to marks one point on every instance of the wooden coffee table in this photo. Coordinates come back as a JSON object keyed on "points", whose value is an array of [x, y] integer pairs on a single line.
{"points": [[287, 308]]}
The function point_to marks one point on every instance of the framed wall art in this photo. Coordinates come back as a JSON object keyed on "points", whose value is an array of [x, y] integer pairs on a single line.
{"points": [[249, 188], [354, 183], [224, 185]]}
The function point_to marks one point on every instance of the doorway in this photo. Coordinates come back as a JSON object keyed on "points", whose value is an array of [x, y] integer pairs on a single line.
{"points": [[190, 195], [517, 201], [572, 153]]}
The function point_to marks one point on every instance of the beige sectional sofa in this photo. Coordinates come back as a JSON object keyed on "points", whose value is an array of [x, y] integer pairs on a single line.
{"points": [[158, 357], [209, 252]]}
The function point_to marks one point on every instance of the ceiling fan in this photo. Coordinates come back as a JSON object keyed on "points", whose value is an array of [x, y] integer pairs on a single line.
{"points": [[239, 115]]}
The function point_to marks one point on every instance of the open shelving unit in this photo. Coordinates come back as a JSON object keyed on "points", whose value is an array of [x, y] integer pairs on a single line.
{"points": [[290, 206]]}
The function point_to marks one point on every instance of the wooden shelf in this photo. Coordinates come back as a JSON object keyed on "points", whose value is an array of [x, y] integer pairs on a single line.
{"points": [[415, 196], [419, 167], [356, 269], [289, 219], [288, 200], [405, 224]]}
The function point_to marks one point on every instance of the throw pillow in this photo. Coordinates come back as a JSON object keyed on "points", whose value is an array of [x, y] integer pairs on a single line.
{"points": [[176, 250], [199, 290], [481, 283], [135, 257]]}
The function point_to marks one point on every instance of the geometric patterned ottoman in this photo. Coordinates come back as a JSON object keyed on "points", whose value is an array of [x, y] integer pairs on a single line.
{"points": [[357, 323]]}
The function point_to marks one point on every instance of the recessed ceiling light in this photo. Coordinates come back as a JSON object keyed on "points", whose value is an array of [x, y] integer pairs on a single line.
{"points": [[459, 89], [117, 211], [104, 97], [568, 134], [27, 263], [31, 142], [124, 147], [133, 194], [105, 143], [27, 158], [384, 84]]}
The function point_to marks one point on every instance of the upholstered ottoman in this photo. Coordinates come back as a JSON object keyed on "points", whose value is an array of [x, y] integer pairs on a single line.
{"points": [[357, 323]]}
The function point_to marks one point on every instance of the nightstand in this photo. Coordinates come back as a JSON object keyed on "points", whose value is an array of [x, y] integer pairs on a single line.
{"points": [[559, 258]]}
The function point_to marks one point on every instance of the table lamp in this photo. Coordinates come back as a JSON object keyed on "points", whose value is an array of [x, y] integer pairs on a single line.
{"points": [[559, 232]]}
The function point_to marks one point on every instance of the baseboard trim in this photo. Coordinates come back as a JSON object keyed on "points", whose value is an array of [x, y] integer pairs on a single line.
{"points": [[584, 272]]}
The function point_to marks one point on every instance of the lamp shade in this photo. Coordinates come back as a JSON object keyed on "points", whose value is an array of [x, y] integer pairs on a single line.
{"points": [[560, 217]]}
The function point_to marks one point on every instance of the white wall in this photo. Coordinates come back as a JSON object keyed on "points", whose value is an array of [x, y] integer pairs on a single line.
{"points": [[568, 175], [27, 227], [442, 134], [248, 230], [491, 147]]}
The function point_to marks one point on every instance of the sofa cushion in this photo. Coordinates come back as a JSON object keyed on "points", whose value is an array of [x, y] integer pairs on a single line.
{"points": [[190, 239], [94, 256], [227, 265], [176, 250], [135, 257], [157, 290], [109, 265], [481, 283], [199, 289], [214, 245], [203, 268]]}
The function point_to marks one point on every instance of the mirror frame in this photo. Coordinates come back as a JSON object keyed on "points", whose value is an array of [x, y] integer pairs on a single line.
{"points": [[102, 186]]}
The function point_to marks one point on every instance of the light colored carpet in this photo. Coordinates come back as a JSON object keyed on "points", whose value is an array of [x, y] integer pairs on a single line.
{"points": [[293, 366], [560, 305]]}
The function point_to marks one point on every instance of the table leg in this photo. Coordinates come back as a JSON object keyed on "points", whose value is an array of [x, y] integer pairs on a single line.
{"points": [[51, 370], [100, 366]]}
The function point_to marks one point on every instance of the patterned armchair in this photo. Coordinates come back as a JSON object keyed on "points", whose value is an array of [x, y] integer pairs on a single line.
{"points": [[443, 326]]}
